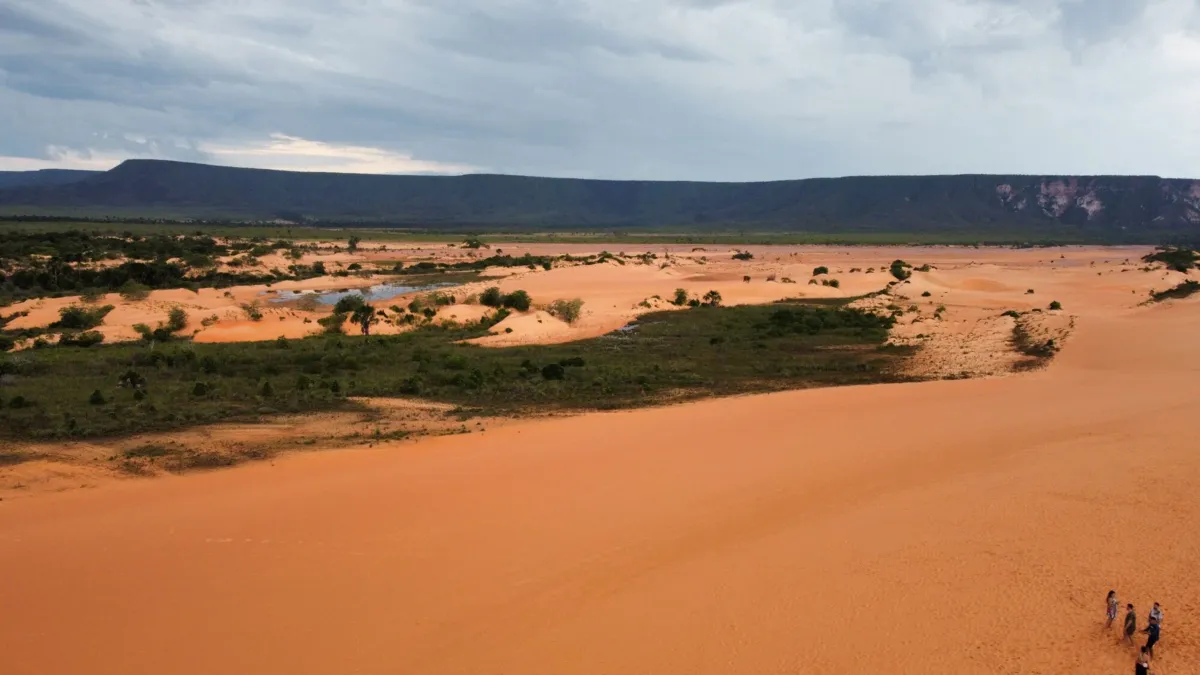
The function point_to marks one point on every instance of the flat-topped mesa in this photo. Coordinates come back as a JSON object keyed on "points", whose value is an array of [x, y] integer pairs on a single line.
{"points": [[1095, 208]]}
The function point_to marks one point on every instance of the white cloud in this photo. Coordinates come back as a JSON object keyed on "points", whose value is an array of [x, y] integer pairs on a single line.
{"points": [[62, 158], [661, 89], [298, 154]]}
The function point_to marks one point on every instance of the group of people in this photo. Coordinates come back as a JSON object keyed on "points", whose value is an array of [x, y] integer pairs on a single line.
{"points": [[1153, 626]]}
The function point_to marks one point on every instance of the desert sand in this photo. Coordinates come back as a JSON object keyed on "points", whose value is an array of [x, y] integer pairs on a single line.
{"points": [[967, 526]]}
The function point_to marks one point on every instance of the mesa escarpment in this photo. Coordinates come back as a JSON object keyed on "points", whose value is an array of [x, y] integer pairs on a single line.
{"points": [[1100, 209]]}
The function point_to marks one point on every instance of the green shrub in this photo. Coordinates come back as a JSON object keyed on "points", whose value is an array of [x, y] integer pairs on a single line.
{"points": [[76, 317], [332, 324], [681, 297], [133, 291], [901, 270], [567, 310], [518, 300], [554, 371], [177, 320], [712, 299], [252, 311], [743, 255], [926, 294], [1056, 305], [87, 338], [491, 297], [96, 398], [820, 270], [92, 295]]}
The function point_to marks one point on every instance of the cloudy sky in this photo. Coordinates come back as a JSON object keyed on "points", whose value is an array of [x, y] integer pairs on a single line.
{"points": [[649, 89]]}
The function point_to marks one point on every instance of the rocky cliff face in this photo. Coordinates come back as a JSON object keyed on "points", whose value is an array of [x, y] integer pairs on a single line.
{"points": [[1075, 199]]}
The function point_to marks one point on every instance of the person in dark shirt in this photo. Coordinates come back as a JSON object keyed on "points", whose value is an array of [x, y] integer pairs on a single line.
{"points": [[1142, 667], [1130, 624], [1152, 637]]}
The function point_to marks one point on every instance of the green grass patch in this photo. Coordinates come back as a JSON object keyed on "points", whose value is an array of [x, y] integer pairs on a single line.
{"points": [[666, 356]]}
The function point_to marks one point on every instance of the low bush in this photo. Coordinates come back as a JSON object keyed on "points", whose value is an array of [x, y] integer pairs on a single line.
{"points": [[133, 291], [177, 319], [568, 310], [491, 297], [900, 269], [820, 270], [518, 300], [85, 338], [76, 317]]}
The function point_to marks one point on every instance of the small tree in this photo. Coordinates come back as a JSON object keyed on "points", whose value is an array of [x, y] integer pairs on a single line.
{"points": [[1056, 305], [96, 398], [364, 316], [681, 297], [177, 320], [353, 244], [712, 299], [348, 304]]}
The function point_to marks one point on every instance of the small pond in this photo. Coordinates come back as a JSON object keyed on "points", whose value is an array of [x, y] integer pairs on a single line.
{"points": [[371, 293]]}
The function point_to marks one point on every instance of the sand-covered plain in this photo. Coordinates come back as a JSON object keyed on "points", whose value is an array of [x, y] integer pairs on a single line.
{"points": [[967, 526]]}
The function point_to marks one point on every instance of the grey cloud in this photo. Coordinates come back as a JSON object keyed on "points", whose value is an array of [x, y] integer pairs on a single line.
{"points": [[14, 19], [672, 89], [1087, 22]]}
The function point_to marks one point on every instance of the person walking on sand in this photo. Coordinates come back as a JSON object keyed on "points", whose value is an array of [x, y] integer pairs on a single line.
{"points": [[1151, 638], [1111, 612], [1130, 624], [1155, 615], [1142, 667]]}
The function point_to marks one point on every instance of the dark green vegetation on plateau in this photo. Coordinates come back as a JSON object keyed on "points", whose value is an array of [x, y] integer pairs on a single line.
{"points": [[1131, 208], [666, 356]]}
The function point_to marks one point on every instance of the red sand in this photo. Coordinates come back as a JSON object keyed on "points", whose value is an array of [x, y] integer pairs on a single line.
{"points": [[946, 527]]}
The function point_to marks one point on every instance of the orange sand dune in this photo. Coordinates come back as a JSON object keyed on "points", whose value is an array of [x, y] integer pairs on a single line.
{"points": [[946, 527]]}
